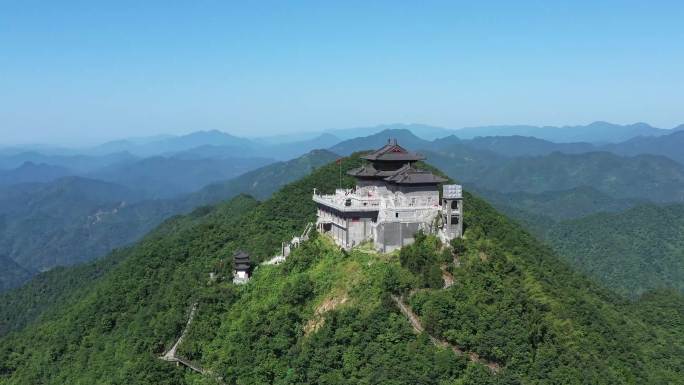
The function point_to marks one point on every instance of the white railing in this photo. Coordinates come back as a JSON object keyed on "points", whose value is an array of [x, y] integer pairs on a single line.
{"points": [[348, 202]]}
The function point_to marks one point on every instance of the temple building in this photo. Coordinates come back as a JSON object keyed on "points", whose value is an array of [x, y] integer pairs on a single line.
{"points": [[392, 201], [241, 267]]}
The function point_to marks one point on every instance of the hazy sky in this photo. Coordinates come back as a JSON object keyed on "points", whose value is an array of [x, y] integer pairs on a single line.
{"points": [[89, 71]]}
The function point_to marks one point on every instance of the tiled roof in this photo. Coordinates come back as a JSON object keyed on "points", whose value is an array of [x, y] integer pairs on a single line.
{"points": [[410, 175], [407, 174], [369, 171], [392, 152], [240, 257]]}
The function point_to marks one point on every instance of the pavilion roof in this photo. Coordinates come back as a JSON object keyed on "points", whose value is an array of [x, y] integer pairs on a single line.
{"points": [[407, 174], [393, 152], [241, 256], [410, 175]]}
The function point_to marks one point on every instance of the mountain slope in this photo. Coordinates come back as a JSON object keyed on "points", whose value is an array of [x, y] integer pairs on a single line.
{"points": [[162, 177], [405, 137], [326, 316], [261, 183], [653, 178], [52, 224], [559, 205], [492, 164], [631, 252], [76, 219], [76, 163], [169, 144], [625, 245], [30, 172], [11, 273], [48, 291], [513, 146], [667, 145]]}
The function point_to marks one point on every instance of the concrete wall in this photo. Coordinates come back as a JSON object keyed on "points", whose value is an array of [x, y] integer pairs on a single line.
{"points": [[394, 235], [348, 229], [453, 216], [360, 229], [420, 195]]}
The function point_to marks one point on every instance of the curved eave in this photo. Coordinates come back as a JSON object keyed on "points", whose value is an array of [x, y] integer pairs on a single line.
{"points": [[393, 157]]}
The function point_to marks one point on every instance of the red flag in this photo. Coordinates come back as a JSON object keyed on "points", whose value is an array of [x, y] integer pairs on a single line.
{"points": [[339, 161]]}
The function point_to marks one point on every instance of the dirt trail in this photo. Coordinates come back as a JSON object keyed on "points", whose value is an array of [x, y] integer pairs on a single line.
{"points": [[418, 328], [446, 276]]}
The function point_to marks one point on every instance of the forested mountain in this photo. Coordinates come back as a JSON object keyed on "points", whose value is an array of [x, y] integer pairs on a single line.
{"points": [[74, 163], [626, 245], [514, 146], [168, 177], [493, 164], [560, 205], [283, 150], [327, 317], [49, 290], [668, 145], [263, 182], [631, 252], [671, 146], [596, 132], [76, 219], [52, 224], [11, 273], [646, 177], [218, 145], [171, 144], [30, 172], [403, 136]]}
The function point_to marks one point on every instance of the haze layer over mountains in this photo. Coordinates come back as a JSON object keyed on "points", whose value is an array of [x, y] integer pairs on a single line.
{"points": [[62, 206]]}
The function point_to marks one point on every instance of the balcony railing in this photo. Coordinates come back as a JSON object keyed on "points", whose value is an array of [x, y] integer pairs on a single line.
{"points": [[348, 202]]}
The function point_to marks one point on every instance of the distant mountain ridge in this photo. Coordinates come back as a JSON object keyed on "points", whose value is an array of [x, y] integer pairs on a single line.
{"points": [[671, 145], [30, 172], [173, 143], [74, 219], [651, 177], [76, 163], [596, 132], [12, 274], [404, 136], [495, 164], [203, 144], [167, 177]]}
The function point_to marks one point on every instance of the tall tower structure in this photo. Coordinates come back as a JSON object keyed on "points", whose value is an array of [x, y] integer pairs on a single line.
{"points": [[452, 210]]}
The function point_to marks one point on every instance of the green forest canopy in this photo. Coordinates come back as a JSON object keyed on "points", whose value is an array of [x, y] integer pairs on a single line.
{"points": [[513, 301]]}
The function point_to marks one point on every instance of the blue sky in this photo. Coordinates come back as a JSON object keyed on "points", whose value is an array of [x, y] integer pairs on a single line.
{"points": [[82, 72]]}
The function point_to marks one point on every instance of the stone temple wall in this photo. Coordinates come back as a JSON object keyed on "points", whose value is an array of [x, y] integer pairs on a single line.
{"points": [[393, 235]]}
